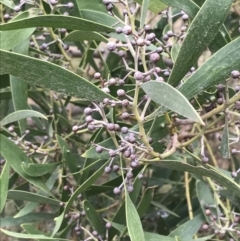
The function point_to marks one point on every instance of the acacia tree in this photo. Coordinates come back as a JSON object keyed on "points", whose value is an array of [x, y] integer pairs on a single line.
{"points": [[120, 120]]}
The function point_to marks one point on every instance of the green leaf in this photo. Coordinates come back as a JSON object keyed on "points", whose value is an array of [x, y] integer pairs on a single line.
{"points": [[19, 115], [224, 148], [155, 6], [8, 3], [19, 88], [11, 38], [30, 197], [56, 21], [39, 169], [47, 75], [92, 179], [174, 51], [30, 236], [15, 156], [205, 197], [200, 34], [84, 35], [134, 224], [30, 218], [144, 9], [207, 171], [187, 230], [4, 178], [164, 94], [93, 217], [159, 205], [215, 70], [145, 201]]}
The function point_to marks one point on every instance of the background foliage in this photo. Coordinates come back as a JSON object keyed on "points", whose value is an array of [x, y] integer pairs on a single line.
{"points": [[120, 120]]}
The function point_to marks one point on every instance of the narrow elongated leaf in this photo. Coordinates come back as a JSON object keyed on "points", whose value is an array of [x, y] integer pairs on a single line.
{"points": [[159, 205], [8, 3], [187, 230], [155, 6], [201, 33], [134, 224], [145, 201], [47, 75], [79, 190], [30, 197], [30, 218], [224, 148], [56, 21], [144, 9], [215, 70], [30, 236], [19, 88], [11, 38], [21, 114], [207, 171], [4, 177], [93, 217], [85, 35], [38, 169], [164, 94], [15, 156]]}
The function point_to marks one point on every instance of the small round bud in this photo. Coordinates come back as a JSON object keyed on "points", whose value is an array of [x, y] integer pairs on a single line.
{"points": [[234, 151], [147, 28], [140, 42], [140, 176], [159, 50], [121, 53], [118, 30], [204, 159], [237, 88], [111, 46], [91, 127], [17, 8], [61, 204], [220, 87], [89, 119], [62, 30], [79, 196], [138, 75], [125, 103], [112, 82], [151, 36], [134, 164], [125, 115], [107, 169], [235, 74], [165, 37], [116, 127], [109, 7], [106, 90], [88, 111], [129, 175], [53, 2], [160, 79], [116, 190], [106, 2], [6, 16], [99, 149], [192, 69], [66, 47], [127, 30], [205, 226], [83, 213], [121, 82], [70, 5], [65, 187], [130, 189], [75, 128], [133, 42], [111, 127], [121, 93], [154, 57], [170, 33], [112, 153], [147, 42], [132, 139], [108, 225], [183, 29], [116, 168], [220, 101], [95, 233], [208, 212], [106, 101], [150, 140], [44, 46], [97, 75], [234, 174], [127, 153], [166, 73], [185, 17], [11, 128]]}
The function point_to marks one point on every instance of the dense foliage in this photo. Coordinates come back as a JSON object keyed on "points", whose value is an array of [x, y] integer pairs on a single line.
{"points": [[120, 120]]}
